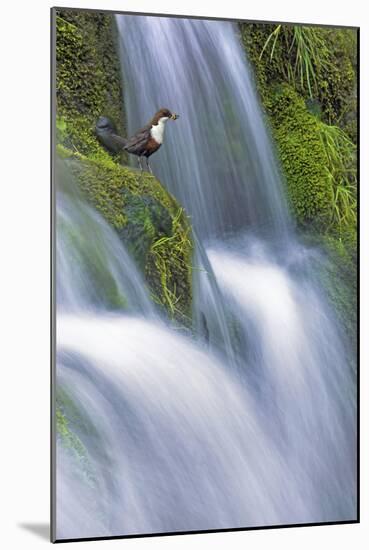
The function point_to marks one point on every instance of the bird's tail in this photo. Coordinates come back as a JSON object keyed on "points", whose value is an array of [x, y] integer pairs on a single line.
{"points": [[106, 133]]}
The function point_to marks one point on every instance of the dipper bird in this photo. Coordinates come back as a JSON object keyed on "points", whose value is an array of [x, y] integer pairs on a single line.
{"points": [[143, 143]]}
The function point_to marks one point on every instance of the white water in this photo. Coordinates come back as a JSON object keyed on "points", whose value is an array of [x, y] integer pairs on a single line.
{"points": [[252, 425], [93, 268], [217, 158], [184, 442]]}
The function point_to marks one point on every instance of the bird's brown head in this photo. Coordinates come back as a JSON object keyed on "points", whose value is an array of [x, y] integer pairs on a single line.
{"points": [[165, 114]]}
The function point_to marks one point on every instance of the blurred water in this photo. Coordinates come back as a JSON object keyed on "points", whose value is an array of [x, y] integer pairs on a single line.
{"points": [[93, 269], [174, 438], [252, 421], [217, 158]]}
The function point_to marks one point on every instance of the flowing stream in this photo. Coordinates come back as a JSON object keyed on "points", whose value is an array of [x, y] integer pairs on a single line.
{"points": [[252, 425], [217, 158]]}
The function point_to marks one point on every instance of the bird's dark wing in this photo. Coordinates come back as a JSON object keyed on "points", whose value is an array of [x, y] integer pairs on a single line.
{"points": [[136, 144]]}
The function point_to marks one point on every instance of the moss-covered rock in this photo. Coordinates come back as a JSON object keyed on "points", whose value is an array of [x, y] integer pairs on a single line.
{"points": [[315, 133], [298, 137], [149, 221], [317, 158], [88, 78], [332, 53], [266, 71], [147, 218]]}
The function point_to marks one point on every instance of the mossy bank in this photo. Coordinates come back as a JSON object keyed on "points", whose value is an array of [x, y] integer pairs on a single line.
{"points": [[149, 221], [306, 79]]}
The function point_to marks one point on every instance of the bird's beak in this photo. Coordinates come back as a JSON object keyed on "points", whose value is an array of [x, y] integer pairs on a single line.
{"points": [[174, 116]]}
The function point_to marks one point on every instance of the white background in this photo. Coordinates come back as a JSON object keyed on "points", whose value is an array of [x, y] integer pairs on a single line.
{"points": [[24, 253]]}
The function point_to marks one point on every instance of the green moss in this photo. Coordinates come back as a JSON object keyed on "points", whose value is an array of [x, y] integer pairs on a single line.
{"points": [[336, 79], [148, 220], [168, 268], [88, 80], [69, 422], [68, 438], [320, 184], [303, 157], [315, 139], [267, 71], [332, 53], [137, 206]]}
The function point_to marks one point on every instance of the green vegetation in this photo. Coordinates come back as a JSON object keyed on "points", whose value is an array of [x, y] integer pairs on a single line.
{"points": [[306, 80], [309, 55], [146, 217], [88, 79], [319, 63], [341, 167], [70, 422], [149, 221], [303, 158], [168, 259]]}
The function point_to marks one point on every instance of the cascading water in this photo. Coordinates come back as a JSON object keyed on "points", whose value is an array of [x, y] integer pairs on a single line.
{"points": [[165, 435], [198, 69], [93, 269]]}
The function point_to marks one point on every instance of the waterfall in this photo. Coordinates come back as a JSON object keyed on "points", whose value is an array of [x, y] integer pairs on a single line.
{"points": [[253, 425], [94, 271], [217, 160]]}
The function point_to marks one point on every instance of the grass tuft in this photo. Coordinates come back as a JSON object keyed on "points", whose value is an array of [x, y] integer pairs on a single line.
{"points": [[307, 51], [341, 168]]}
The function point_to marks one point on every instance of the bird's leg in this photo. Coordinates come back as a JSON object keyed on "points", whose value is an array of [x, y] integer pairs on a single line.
{"points": [[148, 165], [140, 164]]}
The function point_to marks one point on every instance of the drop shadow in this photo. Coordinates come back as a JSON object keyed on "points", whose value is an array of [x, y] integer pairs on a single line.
{"points": [[42, 530]]}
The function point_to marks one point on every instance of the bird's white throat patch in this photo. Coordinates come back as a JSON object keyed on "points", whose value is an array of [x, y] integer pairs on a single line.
{"points": [[157, 132]]}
